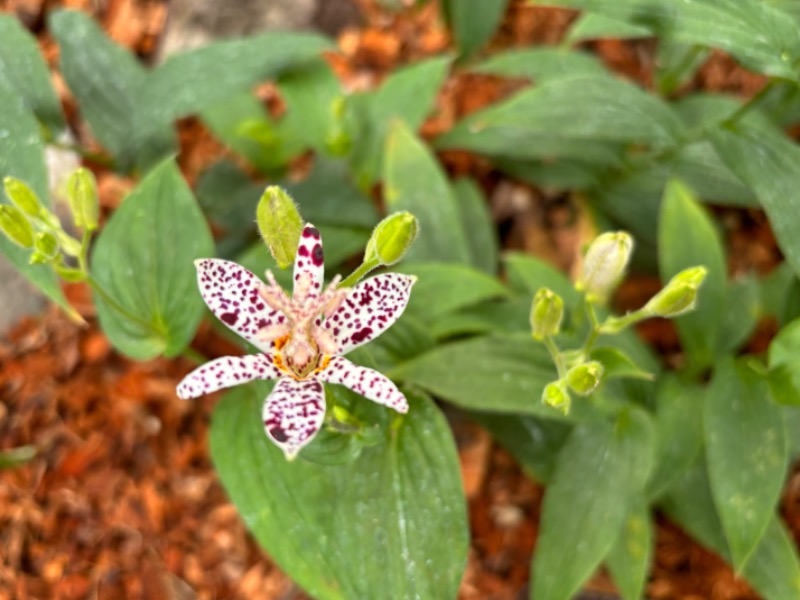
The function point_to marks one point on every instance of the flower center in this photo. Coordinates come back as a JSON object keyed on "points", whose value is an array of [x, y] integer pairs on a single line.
{"points": [[300, 341]]}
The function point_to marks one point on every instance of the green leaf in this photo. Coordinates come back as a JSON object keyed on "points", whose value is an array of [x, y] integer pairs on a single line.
{"points": [[504, 316], [24, 68], [473, 24], [687, 238], [106, 79], [784, 365], [476, 219], [679, 431], [676, 63], [629, 557], [785, 347], [578, 529], [747, 455], [773, 568], [16, 457], [617, 364], [551, 119], [22, 156], [534, 442], [766, 161], [743, 310], [393, 519], [540, 64], [597, 26], [758, 35], [527, 274], [493, 374], [144, 260], [408, 95], [415, 182], [444, 288]]}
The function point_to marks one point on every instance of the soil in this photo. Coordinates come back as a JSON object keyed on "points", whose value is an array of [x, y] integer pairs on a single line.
{"points": [[121, 500]]}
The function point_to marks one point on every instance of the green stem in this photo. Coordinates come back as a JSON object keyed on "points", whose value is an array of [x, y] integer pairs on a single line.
{"points": [[193, 355], [555, 354], [356, 275], [752, 103], [594, 332], [616, 324]]}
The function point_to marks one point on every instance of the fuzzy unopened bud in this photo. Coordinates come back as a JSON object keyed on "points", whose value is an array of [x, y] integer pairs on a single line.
{"points": [[46, 245], [583, 379], [555, 394], [679, 296], [547, 312], [23, 197], [15, 225], [82, 198], [604, 265], [280, 224], [392, 238]]}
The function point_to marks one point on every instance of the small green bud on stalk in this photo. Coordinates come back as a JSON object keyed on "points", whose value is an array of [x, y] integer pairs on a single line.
{"points": [[23, 197], [604, 265], [584, 379], [555, 394], [679, 296], [547, 312], [46, 245], [280, 224], [392, 238], [16, 226], [82, 198]]}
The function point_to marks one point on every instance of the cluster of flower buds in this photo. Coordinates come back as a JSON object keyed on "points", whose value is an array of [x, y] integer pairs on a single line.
{"points": [[29, 223], [604, 266]]}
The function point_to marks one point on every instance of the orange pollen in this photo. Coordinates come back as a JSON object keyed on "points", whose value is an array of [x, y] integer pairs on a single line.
{"points": [[281, 342], [278, 360]]}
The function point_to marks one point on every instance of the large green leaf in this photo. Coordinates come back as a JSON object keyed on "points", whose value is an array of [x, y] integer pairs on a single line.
{"points": [[144, 259], [597, 26], [415, 182], [391, 522], [473, 23], [22, 156], [22, 65], [106, 79], [492, 374], [687, 238], [629, 557], [527, 274], [444, 288], [572, 116], [762, 37], [577, 529], [407, 94], [773, 568], [747, 455], [477, 221], [679, 432], [767, 161], [540, 64]]}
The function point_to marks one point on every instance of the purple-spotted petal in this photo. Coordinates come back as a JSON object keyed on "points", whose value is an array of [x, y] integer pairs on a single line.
{"points": [[369, 309], [308, 266], [367, 382], [232, 294], [225, 372], [293, 413]]}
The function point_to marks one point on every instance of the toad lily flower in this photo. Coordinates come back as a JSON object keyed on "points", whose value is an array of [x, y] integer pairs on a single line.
{"points": [[301, 338]]}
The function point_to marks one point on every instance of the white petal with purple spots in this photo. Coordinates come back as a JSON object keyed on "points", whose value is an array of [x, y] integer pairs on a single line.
{"points": [[369, 309], [367, 382], [225, 372], [309, 270], [232, 294], [293, 413]]}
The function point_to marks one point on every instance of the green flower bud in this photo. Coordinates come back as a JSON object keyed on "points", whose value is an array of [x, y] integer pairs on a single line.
{"points": [[555, 394], [23, 197], [604, 265], [392, 238], [679, 295], [583, 379], [82, 198], [338, 141], [16, 226], [547, 311], [280, 224], [46, 244]]}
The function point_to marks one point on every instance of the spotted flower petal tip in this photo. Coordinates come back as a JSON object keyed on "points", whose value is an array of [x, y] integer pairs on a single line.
{"points": [[301, 338]]}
